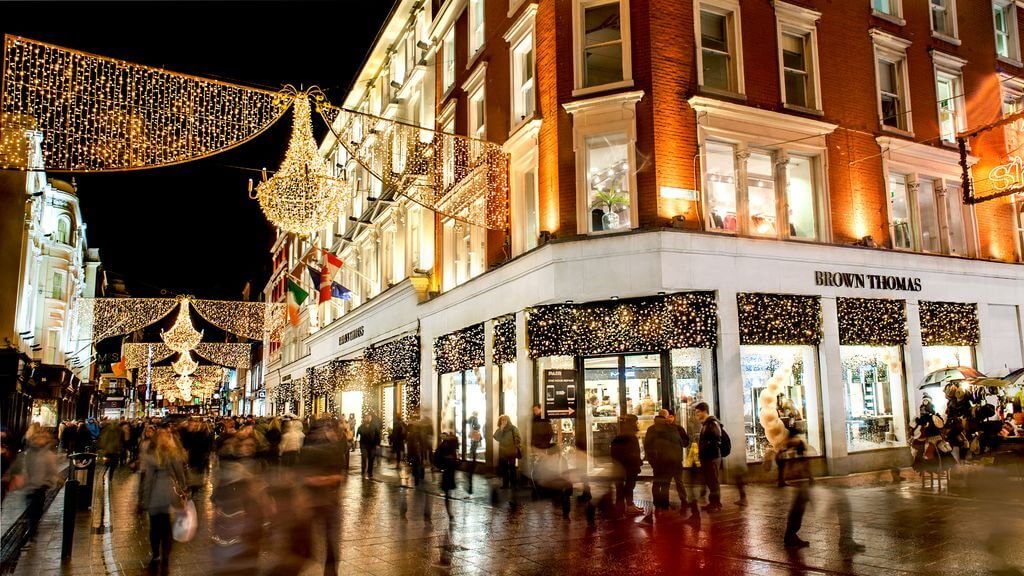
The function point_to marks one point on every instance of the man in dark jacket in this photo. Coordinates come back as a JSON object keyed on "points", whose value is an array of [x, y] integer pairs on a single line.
{"points": [[670, 417], [541, 432], [625, 452], [709, 447], [369, 439], [664, 449]]}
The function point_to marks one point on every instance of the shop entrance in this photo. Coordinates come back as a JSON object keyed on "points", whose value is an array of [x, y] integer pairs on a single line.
{"points": [[614, 386], [352, 403]]}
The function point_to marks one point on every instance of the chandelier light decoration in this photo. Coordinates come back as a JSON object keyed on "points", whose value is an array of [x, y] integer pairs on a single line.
{"points": [[302, 196], [184, 384], [99, 113], [183, 336], [204, 381], [463, 178], [185, 365]]}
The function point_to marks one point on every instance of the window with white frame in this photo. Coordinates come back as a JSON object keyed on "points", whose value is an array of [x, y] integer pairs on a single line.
{"points": [[949, 95], [63, 230], [927, 214], [888, 7], [477, 114], [523, 98], [1004, 14], [762, 192], [1013, 102], [52, 346], [57, 279], [943, 17], [398, 63], [448, 149], [464, 246], [415, 237], [798, 55], [448, 56], [720, 57], [602, 36], [476, 26], [608, 182], [893, 89], [525, 213], [387, 256]]}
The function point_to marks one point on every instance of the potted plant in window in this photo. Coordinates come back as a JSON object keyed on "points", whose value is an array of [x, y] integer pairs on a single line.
{"points": [[611, 200]]}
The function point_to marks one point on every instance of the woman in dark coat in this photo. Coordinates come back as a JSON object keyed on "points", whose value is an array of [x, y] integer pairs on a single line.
{"points": [[447, 459], [625, 452], [164, 485]]}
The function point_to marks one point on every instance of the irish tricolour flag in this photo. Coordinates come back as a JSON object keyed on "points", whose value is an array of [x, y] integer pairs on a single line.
{"points": [[296, 296]]}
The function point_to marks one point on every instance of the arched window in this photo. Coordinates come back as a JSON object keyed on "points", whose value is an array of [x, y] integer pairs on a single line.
{"points": [[63, 230]]}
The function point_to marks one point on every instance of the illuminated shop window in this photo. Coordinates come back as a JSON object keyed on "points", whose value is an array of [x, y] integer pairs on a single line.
{"points": [[873, 387], [793, 369]]}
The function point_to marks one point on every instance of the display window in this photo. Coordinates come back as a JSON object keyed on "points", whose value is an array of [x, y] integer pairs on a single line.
{"points": [[792, 371], [873, 388], [692, 382], [506, 383], [464, 409]]}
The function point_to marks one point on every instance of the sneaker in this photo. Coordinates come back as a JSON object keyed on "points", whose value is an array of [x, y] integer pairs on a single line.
{"points": [[796, 542]]}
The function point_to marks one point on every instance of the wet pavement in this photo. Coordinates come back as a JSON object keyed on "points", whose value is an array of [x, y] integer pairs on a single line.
{"points": [[905, 530]]}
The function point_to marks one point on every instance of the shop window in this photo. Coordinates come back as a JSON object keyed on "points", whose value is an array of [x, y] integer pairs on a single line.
{"points": [[873, 386], [464, 408], [506, 382], [939, 357], [1004, 14], [608, 182], [603, 41], [387, 412], [613, 387], [743, 195], [927, 214], [720, 57], [943, 18], [793, 371], [448, 64], [692, 383]]}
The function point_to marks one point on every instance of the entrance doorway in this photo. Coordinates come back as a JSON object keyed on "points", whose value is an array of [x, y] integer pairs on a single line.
{"points": [[613, 387], [352, 403]]}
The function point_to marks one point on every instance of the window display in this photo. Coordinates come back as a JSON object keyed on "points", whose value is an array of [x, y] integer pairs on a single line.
{"points": [[721, 186], [873, 387], [793, 371], [608, 191], [464, 409], [506, 383], [692, 382]]}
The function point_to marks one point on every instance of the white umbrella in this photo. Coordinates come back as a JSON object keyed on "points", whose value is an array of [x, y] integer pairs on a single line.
{"points": [[1015, 378], [953, 373]]}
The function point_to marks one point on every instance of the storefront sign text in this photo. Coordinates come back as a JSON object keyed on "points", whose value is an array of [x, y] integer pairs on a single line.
{"points": [[350, 335], [1006, 176], [286, 377], [559, 393], [870, 281]]}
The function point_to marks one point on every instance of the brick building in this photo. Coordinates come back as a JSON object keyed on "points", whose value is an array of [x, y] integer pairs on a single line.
{"points": [[793, 163]]}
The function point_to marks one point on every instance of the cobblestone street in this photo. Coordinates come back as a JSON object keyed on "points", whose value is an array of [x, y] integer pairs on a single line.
{"points": [[905, 530]]}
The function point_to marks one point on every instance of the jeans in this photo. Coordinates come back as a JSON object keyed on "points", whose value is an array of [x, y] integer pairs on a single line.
{"points": [[160, 536], [711, 469], [369, 456], [507, 472], [624, 490], [36, 502], [796, 511]]}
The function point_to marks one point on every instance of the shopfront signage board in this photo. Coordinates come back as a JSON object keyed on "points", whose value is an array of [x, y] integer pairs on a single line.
{"points": [[560, 393], [351, 335], [869, 281]]}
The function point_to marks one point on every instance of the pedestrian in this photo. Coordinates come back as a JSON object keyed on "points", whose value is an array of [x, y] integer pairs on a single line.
{"points": [[352, 427], [418, 445], [541, 433], [398, 434], [795, 449], [710, 448], [239, 504], [7, 460], [197, 441], [664, 449], [163, 489], [320, 461], [68, 436], [291, 442], [509, 450], [38, 468], [625, 452], [369, 440], [273, 435], [677, 477], [447, 459], [83, 438], [110, 446], [94, 430]]}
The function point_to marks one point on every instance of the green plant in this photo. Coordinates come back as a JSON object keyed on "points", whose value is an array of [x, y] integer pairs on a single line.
{"points": [[611, 199]]}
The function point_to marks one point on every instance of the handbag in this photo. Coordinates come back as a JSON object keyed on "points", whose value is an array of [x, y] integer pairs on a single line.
{"points": [[185, 522]]}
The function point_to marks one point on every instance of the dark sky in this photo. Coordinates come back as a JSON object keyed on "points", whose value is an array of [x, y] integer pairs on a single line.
{"points": [[191, 229]]}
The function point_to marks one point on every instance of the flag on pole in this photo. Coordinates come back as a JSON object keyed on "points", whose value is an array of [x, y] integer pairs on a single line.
{"points": [[340, 292], [296, 296], [315, 276], [118, 368], [331, 265]]}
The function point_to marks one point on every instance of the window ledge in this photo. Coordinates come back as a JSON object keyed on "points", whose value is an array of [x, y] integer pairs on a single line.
{"points": [[889, 18], [526, 120], [627, 83], [725, 93], [896, 131], [802, 110], [447, 93], [475, 56], [1010, 61], [944, 38]]}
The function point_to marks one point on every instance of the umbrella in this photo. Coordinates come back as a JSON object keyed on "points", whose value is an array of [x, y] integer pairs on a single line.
{"points": [[953, 373], [1015, 378], [986, 382]]}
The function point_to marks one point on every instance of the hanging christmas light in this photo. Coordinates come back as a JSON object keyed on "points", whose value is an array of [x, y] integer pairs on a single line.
{"points": [[185, 387], [182, 337], [301, 197], [185, 365]]}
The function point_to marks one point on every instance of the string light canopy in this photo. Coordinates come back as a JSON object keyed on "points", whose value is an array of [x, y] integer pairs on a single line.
{"points": [[504, 349], [204, 381], [301, 197], [460, 350], [231, 354], [949, 323], [779, 319], [137, 355], [185, 365], [99, 113], [252, 320], [458, 177], [183, 336], [100, 318], [184, 383]]}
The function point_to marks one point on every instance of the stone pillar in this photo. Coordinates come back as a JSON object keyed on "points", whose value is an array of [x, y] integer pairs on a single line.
{"points": [[730, 379], [833, 401]]}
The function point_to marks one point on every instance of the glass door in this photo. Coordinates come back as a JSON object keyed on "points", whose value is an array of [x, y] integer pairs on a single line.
{"points": [[642, 382]]}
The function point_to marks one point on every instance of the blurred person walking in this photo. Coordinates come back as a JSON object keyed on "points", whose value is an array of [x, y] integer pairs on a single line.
{"points": [[625, 452], [399, 432], [510, 448], [369, 440], [38, 468], [320, 462], [110, 446], [663, 447], [447, 459], [163, 488], [418, 445], [710, 446], [291, 443]]}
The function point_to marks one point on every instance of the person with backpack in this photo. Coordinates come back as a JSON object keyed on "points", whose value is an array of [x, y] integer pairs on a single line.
{"points": [[713, 445]]}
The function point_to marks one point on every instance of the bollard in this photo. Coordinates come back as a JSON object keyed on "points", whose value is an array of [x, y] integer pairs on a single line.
{"points": [[70, 508]]}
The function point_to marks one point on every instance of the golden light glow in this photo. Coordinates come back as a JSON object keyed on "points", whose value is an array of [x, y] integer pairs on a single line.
{"points": [[100, 318], [183, 336], [232, 354], [253, 320], [301, 197], [137, 355], [99, 113], [185, 365]]}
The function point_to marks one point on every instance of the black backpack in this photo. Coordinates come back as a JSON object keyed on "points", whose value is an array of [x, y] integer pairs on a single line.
{"points": [[726, 446]]}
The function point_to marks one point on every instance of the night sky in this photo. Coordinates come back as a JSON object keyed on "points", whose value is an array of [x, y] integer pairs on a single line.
{"points": [[191, 229]]}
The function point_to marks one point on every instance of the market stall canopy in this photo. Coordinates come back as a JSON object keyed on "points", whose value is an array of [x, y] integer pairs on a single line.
{"points": [[989, 382], [953, 373], [1015, 378]]}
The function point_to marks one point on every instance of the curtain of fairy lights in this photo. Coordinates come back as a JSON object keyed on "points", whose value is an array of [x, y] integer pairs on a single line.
{"points": [[99, 113], [100, 318], [137, 355], [231, 354]]}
